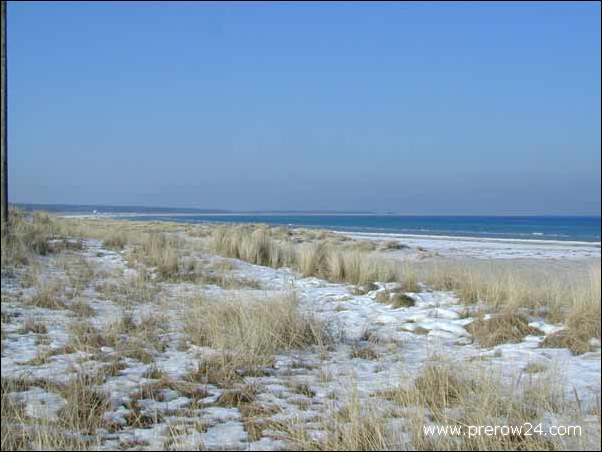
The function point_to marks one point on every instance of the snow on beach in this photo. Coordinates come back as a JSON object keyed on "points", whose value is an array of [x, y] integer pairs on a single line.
{"points": [[302, 386], [488, 248]]}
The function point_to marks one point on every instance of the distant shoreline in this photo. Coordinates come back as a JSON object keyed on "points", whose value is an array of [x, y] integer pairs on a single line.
{"points": [[358, 234], [442, 244], [107, 210], [392, 235]]}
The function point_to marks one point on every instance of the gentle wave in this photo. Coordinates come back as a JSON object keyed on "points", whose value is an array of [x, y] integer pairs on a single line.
{"points": [[549, 229]]}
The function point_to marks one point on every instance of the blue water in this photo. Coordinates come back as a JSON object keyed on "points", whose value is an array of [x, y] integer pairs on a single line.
{"points": [[586, 229], [537, 228]]}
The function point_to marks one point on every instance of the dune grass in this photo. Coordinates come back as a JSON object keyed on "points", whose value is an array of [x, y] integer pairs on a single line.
{"points": [[27, 235], [500, 328], [513, 293], [471, 397], [159, 252], [323, 259], [572, 298], [116, 240], [353, 427], [48, 294], [442, 394], [247, 333], [74, 427]]}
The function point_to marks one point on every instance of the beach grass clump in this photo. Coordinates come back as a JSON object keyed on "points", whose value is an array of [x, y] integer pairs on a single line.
{"points": [[48, 295], [139, 340], [249, 332], [395, 299], [27, 235], [85, 404], [356, 267], [311, 259], [501, 328], [83, 336], [33, 326], [116, 240], [222, 369], [256, 417], [445, 394], [252, 244], [80, 273], [323, 258], [76, 422], [356, 425], [13, 416], [81, 308], [160, 252], [552, 294], [357, 428], [393, 245], [366, 352], [169, 258], [131, 291], [582, 318], [260, 326]]}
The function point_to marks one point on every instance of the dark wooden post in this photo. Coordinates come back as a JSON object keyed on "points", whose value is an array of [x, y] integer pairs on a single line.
{"points": [[4, 131]]}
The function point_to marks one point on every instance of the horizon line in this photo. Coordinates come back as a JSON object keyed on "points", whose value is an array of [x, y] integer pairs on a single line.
{"points": [[208, 211]]}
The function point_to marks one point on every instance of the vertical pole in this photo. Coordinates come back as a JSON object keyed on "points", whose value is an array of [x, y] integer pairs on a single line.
{"points": [[4, 131]]}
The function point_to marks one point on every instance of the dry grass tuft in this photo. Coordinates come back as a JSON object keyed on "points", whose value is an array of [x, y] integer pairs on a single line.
{"points": [[366, 352], [254, 417], [578, 342], [583, 319], [80, 273], [263, 246], [255, 245], [139, 289], [506, 327], [159, 252], [238, 397], [358, 267], [259, 327], [116, 240], [501, 285], [439, 386], [247, 333], [80, 308], [220, 370], [448, 395], [85, 404], [354, 427], [27, 236], [76, 422], [312, 259], [395, 299], [49, 295], [85, 337], [32, 326]]}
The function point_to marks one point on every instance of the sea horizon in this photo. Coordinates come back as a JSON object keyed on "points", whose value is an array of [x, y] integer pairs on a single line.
{"points": [[579, 228]]}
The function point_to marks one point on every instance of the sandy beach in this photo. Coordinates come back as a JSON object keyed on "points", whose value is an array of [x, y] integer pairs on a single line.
{"points": [[490, 248]]}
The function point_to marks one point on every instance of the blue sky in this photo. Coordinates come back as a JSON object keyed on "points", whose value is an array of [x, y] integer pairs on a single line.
{"points": [[415, 108]]}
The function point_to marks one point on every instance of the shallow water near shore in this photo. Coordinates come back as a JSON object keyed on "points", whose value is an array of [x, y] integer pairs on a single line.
{"points": [[545, 228], [586, 229]]}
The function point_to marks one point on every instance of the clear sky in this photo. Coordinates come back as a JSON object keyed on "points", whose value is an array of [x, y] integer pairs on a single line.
{"points": [[414, 108]]}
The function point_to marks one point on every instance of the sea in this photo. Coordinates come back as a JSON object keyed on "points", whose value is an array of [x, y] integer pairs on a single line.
{"points": [[549, 228]]}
